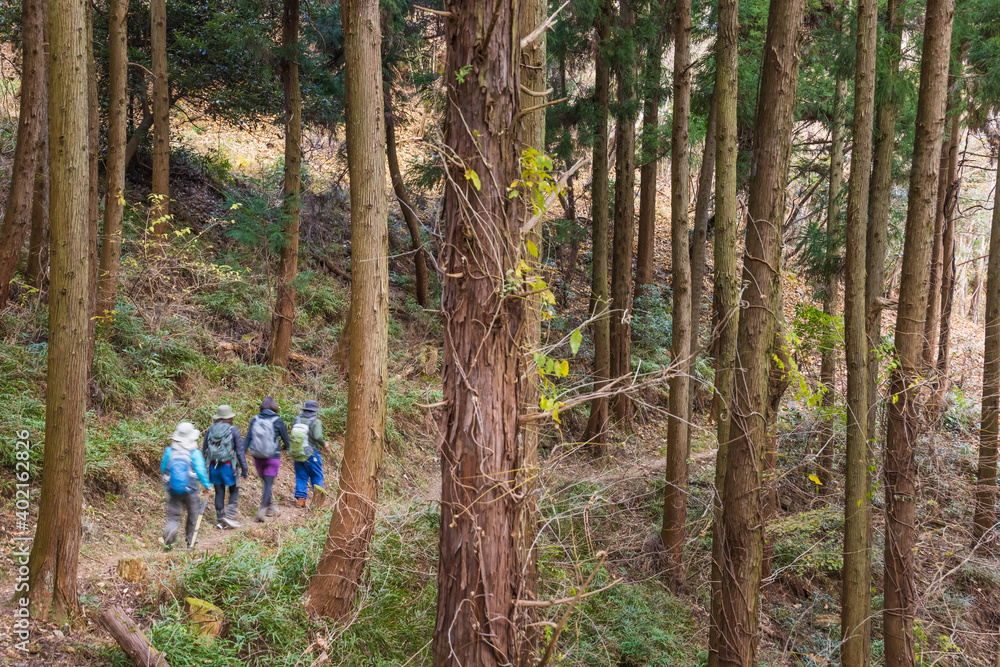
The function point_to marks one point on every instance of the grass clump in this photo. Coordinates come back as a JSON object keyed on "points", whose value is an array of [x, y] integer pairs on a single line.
{"points": [[810, 543]]}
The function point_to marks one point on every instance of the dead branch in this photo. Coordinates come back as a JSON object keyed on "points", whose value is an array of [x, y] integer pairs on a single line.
{"points": [[537, 32], [126, 632]]}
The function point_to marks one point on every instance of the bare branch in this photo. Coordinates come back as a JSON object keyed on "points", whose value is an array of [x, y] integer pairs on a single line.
{"points": [[537, 32]]}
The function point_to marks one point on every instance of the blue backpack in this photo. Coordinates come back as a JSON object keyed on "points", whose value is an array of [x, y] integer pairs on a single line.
{"points": [[181, 470]]}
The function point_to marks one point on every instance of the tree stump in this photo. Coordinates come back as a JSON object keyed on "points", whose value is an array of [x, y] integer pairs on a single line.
{"points": [[126, 632], [131, 569], [205, 616]]}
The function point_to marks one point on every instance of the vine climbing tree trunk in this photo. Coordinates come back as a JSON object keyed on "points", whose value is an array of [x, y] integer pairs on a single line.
{"points": [[532, 14], [480, 568], [699, 240], [985, 515], [283, 319], [742, 516], [335, 585], [954, 185], [52, 567], [114, 205], [596, 433], [726, 288], [30, 124], [624, 232], [856, 592], [903, 419], [675, 497]]}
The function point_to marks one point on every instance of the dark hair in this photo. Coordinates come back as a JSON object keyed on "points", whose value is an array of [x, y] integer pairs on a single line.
{"points": [[269, 404], [228, 421]]}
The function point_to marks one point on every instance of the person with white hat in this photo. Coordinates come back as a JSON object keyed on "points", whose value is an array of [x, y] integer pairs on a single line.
{"points": [[183, 468]]}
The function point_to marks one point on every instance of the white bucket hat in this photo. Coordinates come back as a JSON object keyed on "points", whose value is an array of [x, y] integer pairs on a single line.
{"points": [[186, 435]]}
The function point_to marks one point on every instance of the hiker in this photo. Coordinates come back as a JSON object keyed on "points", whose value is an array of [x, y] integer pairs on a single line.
{"points": [[182, 467], [307, 438], [263, 443], [223, 448]]}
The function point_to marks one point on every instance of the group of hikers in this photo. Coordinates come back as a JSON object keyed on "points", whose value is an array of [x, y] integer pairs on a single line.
{"points": [[186, 469]]}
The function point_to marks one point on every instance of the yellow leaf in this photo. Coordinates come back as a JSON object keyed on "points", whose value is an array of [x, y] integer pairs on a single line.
{"points": [[532, 248], [815, 480]]}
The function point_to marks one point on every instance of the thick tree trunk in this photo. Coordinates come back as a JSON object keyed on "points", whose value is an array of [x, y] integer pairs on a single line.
{"points": [[531, 15], [903, 420], [597, 425], [283, 319], [986, 479], [621, 260], [335, 585], [699, 239], [409, 215], [55, 552], [480, 568], [650, 164], [742, 518], [114, 205], [828, 355], [856, 593], [878, 205], [948, 261], [30, 124], [725, 299], [161, 117], [675, 497]]}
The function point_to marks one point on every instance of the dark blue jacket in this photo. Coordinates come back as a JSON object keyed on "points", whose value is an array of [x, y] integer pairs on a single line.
{"points": [[279, 429]]}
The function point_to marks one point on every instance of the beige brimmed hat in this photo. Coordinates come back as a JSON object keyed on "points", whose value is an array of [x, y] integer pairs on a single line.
{"points": [[224, 412], [186, 435]]}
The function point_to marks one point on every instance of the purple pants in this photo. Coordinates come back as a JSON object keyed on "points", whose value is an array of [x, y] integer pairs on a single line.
{"points": [[266, 467]]}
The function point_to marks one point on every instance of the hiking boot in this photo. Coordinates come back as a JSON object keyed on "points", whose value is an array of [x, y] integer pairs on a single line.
{"points": [[301, 502], [230, 523], [273, 511], [261, 513], [319, 497]]}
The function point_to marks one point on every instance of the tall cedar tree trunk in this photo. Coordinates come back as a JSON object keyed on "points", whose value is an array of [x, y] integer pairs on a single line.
{"points": [[531, 15], [38, 242], [986, 478], [409, 214], [699, 240], [903, 419], [650, 162], [948, 257], [828, 355], [621, 260], [878, 205], [725, 298], [675, 496], [931, 321], [856, 592], [30, 123], [742, 516], [479, 571], [596, 432], [55, 552], [334, 586], [93, 194], [114, 206], [161, 117], [283, 319]]}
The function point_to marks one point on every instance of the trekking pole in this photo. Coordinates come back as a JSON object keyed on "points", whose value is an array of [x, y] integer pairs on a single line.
{"points": [[197, 525]]}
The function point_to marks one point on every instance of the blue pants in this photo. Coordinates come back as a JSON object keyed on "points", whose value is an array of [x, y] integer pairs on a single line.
{"points": [[308, 472]]}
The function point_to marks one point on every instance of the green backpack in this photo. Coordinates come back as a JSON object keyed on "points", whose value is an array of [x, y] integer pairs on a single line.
{"points": [[301, 448], [220, 443]]}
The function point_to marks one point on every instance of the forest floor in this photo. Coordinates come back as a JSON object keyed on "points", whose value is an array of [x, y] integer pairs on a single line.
{"points": [[188, 337]]}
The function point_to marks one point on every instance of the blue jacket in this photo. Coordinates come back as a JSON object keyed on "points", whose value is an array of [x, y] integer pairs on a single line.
{"points": [[238, 445], [279, 428], [197, 460]]}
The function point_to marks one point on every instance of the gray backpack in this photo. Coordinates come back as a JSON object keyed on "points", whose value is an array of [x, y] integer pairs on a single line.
{"points": [[263, 439]]}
